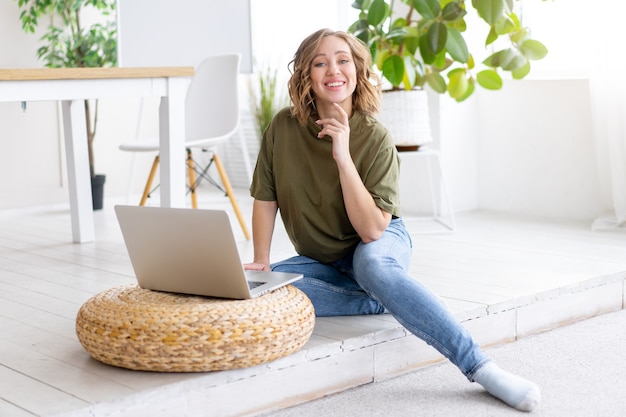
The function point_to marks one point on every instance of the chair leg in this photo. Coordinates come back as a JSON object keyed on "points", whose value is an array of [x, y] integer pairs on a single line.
{"points": [[192, 179], [146, 190], [231, 195]]}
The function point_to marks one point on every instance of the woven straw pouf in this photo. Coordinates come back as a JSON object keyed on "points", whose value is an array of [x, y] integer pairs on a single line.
{"points": [[148, 330]]}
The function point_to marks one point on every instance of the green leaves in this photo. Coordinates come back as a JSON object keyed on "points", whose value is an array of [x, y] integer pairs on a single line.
{"points": [[458, 83], [424, 44], [393, 69], [489, 79], [68, 44], [428, 9], [489, 10], [509, 59], [436, 38], [456, 46], [521, 72], [534, 50], [516, 59], [378, 12], [266, 98], [452, 12], [436, 82]]}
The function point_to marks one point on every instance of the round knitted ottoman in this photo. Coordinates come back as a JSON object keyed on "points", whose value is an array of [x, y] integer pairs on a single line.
{"points": [[149, 330]]}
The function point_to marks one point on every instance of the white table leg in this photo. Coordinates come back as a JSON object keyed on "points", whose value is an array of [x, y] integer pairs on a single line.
{"points": [[79, 180], [172, 144]]}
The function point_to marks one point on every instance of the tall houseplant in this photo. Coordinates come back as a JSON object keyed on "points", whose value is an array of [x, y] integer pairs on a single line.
{"points": [[426, 42], [67, 44], [265, 97]]}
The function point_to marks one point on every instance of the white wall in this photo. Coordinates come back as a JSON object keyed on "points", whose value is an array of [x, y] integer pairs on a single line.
{"points": [[30, 166], [454, 132], [525, 149], [535, 150], [457, 124]]}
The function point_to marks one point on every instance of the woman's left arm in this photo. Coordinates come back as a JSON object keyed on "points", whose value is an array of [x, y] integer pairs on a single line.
{"points": [[369, 220]]}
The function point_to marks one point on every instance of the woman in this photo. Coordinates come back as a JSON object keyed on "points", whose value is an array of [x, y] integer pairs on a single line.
{"points": [[332, 170]]}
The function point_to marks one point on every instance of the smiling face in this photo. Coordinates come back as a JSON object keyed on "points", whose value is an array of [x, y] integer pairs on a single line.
{"points": [[333, 75]]}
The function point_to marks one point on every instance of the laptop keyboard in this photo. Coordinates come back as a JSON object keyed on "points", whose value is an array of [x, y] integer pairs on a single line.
{"points": [[254, 284]]}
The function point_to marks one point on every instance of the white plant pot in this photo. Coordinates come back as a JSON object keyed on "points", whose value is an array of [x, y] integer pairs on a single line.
{"points": [[405, 115]]}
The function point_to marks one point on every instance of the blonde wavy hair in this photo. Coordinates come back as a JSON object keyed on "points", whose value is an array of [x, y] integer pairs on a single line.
{"points": [[366, 96]]}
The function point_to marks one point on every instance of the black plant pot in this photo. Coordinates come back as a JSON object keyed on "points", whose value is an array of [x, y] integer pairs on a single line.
{"points": [[97, 191]]}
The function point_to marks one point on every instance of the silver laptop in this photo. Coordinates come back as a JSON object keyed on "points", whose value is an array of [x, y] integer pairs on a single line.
{"points": [[190, 251]]}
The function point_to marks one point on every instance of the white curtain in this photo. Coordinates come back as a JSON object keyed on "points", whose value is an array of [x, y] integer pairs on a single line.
{"points": [[608, 94]]}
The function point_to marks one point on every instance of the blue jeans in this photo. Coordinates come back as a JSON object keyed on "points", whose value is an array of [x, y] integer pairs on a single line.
{"points": [[374, 279]]}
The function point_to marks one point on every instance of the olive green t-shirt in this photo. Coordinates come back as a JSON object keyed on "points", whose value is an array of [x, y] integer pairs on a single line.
{"points": [[297, 170]]}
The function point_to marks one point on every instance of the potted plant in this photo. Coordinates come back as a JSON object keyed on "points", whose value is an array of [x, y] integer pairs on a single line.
{"points": [[417, 42], [265, 97], [66, 43], [426, 42]]}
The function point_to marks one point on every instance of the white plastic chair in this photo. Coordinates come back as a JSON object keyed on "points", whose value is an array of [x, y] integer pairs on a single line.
{"points": [[211, 118]]}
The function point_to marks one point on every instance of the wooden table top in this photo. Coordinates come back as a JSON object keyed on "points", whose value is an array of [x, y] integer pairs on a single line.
{"points": [[31, 74]]}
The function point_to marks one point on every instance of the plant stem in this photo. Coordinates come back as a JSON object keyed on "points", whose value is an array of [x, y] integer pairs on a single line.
{"points": [[91, 134]]}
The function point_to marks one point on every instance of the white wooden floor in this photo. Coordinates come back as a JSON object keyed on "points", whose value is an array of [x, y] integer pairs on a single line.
{"points": [[504, 277]]}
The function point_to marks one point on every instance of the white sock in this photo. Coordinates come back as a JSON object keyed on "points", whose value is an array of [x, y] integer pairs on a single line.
{"points": [[514, 390]]}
